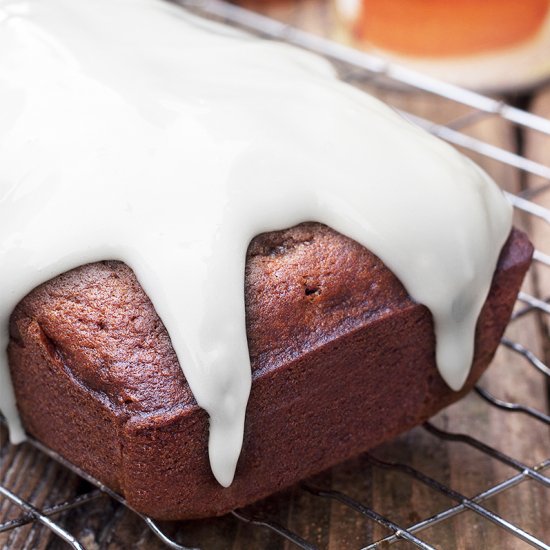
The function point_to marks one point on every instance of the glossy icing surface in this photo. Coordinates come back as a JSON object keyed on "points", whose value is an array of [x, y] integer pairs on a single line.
{"points": [[131, 130]]}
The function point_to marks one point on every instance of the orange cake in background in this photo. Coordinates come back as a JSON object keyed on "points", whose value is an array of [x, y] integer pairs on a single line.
{"points": [[485, 45], [435, 28]]}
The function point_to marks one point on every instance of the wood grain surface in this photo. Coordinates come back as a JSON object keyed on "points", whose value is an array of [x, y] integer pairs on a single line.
{"points": [[104, 524]]}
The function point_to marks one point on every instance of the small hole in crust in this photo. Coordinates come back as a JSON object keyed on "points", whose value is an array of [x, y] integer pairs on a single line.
{"points": [[312, 293]]}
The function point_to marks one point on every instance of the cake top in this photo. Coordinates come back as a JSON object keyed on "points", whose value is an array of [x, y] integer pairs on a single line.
{"points": [[134, 131]]}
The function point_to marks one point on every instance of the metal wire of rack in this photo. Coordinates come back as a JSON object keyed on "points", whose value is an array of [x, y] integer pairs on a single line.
{"points": [[361, 66]]}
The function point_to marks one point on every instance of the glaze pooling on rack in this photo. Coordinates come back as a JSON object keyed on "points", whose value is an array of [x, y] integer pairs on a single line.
{"points": [[136, 132]]}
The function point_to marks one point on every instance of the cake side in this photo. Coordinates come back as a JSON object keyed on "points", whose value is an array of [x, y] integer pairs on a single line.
{"points": [[335, 341]]}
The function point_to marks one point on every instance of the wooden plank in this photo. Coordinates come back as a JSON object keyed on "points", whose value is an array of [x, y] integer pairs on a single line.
{"points": [[538, 148], [33, 477]]}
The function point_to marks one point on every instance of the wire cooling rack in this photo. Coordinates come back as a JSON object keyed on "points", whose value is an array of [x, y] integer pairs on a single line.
{"points": [[359, 68]]}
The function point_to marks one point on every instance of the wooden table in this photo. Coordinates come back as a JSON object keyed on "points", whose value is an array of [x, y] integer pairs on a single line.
{"points": [[327, 523]]}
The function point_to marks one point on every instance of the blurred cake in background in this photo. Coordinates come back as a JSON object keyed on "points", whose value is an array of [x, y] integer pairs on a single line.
{"points": [[442, 28], [484, 44]]}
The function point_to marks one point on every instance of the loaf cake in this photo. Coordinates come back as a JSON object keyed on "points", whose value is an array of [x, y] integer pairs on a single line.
{"points": [[168, 184], [342, 360]]}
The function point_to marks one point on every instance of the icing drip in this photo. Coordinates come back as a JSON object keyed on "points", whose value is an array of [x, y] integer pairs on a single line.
{"points": [[131, 130]]}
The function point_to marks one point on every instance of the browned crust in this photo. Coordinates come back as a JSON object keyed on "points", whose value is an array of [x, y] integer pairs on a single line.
{"points": [[342, 360]]}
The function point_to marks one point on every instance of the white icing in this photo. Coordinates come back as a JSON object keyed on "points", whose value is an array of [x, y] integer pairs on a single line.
{"points": [[131, 130]]}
